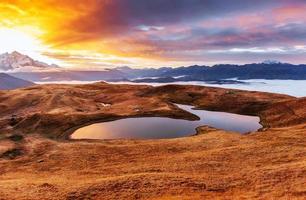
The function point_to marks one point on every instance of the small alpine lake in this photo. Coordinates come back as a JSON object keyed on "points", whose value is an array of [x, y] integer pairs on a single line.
{"points": [[162, 127]]}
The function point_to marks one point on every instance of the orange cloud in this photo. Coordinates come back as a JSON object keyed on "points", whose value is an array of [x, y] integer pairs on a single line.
{"points": [[149, 32]]}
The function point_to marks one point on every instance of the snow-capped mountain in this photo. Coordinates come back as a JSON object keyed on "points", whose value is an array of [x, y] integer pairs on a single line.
{"points": [[16, 61]]}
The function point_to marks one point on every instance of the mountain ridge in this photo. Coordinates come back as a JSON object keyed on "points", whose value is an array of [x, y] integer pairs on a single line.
{"points": [[272, 70], [17, 65], [8, 82], [16, 61]]}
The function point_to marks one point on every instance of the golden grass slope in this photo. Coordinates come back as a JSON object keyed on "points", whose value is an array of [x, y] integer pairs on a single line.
{"points": [[213, 164]]}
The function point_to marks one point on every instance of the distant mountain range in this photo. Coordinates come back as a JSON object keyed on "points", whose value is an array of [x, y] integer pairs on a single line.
{"points": [[282, 71], [15, 64], [69, 75], [273, 70], [16, 61], [8, 82]]}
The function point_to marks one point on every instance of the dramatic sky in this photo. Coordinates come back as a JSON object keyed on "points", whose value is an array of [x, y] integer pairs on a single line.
{"points": [[145, 33]]}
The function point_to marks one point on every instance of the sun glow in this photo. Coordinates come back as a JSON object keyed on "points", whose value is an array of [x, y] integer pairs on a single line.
{"points": [[104, 33], [15, 40]]}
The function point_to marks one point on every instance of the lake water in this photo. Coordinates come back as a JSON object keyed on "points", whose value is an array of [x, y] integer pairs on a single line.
{"points": [[160, 127]]}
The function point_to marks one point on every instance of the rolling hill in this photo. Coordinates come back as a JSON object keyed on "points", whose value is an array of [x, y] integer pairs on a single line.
{"points": [[8, 82]]}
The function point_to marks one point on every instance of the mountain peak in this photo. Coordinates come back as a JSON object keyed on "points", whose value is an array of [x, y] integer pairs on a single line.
{"points": [[16, 61], [271, 62], [16, 53]]}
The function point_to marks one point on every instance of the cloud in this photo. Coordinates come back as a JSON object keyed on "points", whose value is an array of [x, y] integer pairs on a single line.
{"points": [[115, 18], [250, 50], [162, 31]]}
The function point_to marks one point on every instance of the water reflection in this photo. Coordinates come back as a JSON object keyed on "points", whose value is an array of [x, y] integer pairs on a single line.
{"points": [[161, 127]]}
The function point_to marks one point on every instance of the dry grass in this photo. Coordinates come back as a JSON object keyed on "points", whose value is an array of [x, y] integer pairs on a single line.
{"points": [[214, 164]]}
